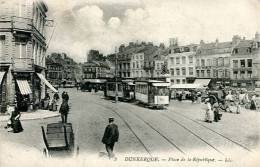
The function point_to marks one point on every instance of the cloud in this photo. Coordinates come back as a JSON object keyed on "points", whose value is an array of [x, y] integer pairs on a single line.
{"points": [[81, 25]]}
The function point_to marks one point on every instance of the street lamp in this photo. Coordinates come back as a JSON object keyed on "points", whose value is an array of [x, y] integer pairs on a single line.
{"points": [[116, 96]]}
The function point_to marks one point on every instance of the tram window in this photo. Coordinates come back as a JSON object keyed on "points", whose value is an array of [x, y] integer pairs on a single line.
{"points": [[163, 91]]}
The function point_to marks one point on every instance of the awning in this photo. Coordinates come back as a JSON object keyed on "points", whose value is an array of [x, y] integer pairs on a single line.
{"points": [[161, 84], [24, 87], [203, 82], [47, 83], [186, 86], [1, 76]]}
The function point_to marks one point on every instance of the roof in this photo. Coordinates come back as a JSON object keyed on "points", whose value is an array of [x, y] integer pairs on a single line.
{"points": [[245, 44]]}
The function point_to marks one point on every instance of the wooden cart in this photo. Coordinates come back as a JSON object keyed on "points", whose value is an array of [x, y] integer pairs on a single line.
{"points": [[59, 140]]}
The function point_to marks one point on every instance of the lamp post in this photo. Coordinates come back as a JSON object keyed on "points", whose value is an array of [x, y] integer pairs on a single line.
{"points": [[116, 96]]}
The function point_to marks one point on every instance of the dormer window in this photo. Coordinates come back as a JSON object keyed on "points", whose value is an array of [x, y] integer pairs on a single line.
{"points": [[235, 51]]}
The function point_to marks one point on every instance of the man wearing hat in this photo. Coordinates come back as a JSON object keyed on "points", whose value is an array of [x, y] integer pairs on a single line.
{"points": [[111, 136]]}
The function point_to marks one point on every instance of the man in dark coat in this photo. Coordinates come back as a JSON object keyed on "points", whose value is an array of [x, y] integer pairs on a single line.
{"points": [[64, 110], [111, 136]]}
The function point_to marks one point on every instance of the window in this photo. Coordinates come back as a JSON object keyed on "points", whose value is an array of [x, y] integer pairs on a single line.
{"points": [[249, 62], [136, 56], [202, 62], [249, 74], [190, 71], [242, 63], [21, 48], [2, 42], [137, 64], [177, 60], [172, 71], [202, 73], [208, 62], [197, 62], [249, 50], [158, 66], [235, 63], [190, 59], [227, 73], [235, 51], [214, 63], [183, 59], [183, 81], [177, 50], [208, 73], [198, 73], [242, 74], [178, 81], [186, 49], [177, 71], [172, 60], [183, 71], [141, 56]]}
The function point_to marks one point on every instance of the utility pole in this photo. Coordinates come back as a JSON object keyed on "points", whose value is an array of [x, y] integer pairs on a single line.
{"points": [[116, 96]]}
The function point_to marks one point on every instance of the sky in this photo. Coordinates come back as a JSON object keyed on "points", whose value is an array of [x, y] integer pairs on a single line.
{"points": [[81, 25]]}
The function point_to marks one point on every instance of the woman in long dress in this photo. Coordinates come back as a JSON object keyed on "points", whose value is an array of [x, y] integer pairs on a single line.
{"points": [[209, 115], [15, 121]]}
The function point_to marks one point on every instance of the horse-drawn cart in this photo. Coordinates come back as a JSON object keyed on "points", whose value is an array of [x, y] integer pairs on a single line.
{"points": [[59, 140]]}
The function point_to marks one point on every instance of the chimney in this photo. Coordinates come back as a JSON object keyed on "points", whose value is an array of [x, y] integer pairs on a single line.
{"points": [[257, 36], [173, 41], [236, 39], [121, 48]]}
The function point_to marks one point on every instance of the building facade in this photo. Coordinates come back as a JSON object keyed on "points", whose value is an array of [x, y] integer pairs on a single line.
{"points": [[22, 52], [96, 70], [244, 63], [213, 61], [181, 64]]}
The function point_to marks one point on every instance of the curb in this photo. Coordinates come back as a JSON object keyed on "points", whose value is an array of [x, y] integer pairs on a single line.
{"points": [[35, 118]]}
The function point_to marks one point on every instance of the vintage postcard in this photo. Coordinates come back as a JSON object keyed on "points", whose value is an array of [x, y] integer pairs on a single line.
{"points": [[171, 83]]}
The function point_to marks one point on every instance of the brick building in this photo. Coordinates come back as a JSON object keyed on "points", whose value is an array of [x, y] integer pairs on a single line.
{"points": [[22, 52]]}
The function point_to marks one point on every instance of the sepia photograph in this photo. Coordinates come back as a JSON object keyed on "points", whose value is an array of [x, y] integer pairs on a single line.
{"points": [[128, 83]]}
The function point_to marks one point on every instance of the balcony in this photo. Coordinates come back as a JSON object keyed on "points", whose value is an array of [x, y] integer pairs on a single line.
{"points": [[22, 64], [15, 23]]}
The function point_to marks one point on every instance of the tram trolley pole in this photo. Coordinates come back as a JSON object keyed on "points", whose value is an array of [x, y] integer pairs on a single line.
{"points": [[116, 95]]}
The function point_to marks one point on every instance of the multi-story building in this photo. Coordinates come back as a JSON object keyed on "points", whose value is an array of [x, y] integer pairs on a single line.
{"points": [[213, 61], [55, 70], [137, 65], [244, 68], [69, 71], [181, 63], [96, 70], [22, 52]]}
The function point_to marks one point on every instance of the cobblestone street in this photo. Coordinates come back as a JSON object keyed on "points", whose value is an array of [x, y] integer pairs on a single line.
{"points": [[176, 131]]}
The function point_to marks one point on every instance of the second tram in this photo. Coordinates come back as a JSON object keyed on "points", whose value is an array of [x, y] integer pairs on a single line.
{"points": [[152, 93]]}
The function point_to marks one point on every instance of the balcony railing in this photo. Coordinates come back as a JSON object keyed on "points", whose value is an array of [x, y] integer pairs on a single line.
{"points": [[22, 64]]}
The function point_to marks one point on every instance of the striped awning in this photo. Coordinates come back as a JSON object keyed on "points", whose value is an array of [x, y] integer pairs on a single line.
{"points": [[24, 87], [1, 76], [47, 83]]}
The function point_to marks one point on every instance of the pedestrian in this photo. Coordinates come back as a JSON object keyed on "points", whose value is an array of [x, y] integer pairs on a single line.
{"points": [[217, 115], [64, 110], [110, 136], [209, 113], [253, 103], [15, 121], [55, 100]]}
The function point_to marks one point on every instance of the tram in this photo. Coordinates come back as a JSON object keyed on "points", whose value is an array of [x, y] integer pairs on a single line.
{"points": [[152, 93], [92, 84], [125, 89]]}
